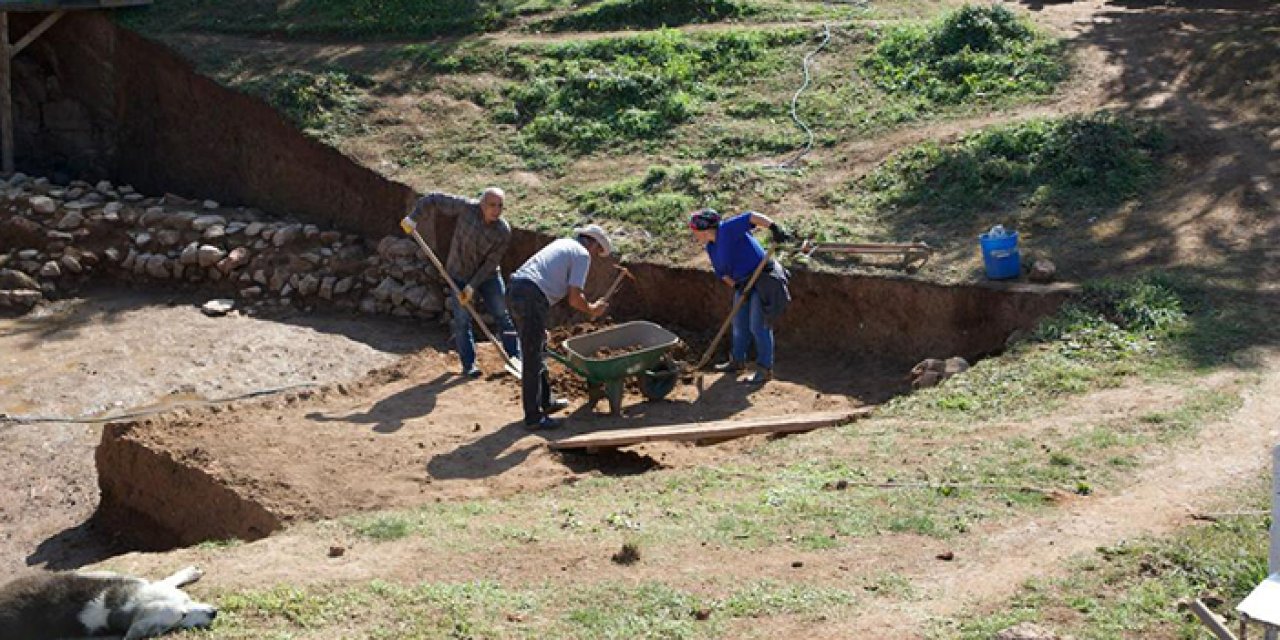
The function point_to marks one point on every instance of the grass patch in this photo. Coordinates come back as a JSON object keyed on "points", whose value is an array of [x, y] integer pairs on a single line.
{"points": [[648, 14], [1052, 168], [488, 609], [367, 19], [973, 53], [586, 96], [1133, 589], [326, 105]]}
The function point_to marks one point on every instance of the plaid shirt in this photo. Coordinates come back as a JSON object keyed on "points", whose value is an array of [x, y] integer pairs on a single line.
{"points": [[477, 247]]}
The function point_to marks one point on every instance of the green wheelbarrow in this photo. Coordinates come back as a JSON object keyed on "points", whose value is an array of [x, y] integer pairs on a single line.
{"points": [[647, 358]]}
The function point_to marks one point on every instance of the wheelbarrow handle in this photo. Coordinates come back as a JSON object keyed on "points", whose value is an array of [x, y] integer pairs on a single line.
{"points": [[564, 360]]}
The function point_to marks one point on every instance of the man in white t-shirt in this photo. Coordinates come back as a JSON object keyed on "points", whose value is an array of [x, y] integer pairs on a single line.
{"points": [[557, 272]]}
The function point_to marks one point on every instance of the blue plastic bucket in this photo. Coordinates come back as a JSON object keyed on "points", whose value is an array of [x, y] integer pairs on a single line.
{"points": [[1000, 255]]}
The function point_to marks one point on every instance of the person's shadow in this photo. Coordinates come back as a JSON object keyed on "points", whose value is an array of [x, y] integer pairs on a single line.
{"points": [[484, 457], [389, 414]]}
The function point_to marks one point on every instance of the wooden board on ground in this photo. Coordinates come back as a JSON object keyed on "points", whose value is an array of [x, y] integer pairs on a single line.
{"points": [[710, 431]]}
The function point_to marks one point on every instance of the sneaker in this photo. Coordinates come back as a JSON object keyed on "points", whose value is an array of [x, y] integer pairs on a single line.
{"points": [[547, 422], [559, 404], [473, 372], [729, 366], [761, 376]]}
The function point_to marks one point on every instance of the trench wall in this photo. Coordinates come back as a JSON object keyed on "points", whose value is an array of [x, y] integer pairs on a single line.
{"points": [[159, 501]]}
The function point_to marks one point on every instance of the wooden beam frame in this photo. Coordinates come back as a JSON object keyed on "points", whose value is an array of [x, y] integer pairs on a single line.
{"points": [[7, 53], [35, 33]]}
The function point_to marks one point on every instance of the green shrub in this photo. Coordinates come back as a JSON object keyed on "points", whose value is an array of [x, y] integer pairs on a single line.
{"points": [[1076, 162], [974, 52], [649, 14], [1117, 315], [581, 96], [325, 105]]}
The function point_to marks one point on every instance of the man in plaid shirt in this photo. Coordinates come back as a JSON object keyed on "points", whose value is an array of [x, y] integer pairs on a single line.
{"points": [[479, 240]]}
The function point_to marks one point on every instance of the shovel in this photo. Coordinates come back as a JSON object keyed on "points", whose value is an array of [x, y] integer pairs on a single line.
{"points": [[511, 365]]}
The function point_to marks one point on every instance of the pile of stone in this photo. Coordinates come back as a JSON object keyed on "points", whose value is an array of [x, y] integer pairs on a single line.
{"points": [[932, 371], [55, 238]]}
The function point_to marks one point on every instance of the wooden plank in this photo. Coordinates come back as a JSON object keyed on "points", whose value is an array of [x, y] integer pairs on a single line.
{"points": [[71, 5], [706, 431], [1211, 620], [35, 32]]}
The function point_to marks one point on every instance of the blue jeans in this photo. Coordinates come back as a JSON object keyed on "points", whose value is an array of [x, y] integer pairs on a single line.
{"points": [[494, 295], [750, 323]]}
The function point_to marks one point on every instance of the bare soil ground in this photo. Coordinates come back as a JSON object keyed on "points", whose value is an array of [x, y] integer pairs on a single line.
{"points": [[119, 351]]}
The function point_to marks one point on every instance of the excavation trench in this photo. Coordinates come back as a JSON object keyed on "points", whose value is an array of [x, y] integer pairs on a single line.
{"points": [[99, 102]]}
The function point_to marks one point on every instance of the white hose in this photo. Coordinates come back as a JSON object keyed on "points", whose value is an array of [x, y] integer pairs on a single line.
{"points": [[7, 419], [795, 99]]}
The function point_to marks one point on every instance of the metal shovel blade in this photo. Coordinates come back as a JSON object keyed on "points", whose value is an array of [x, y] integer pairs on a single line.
{"points": [[513, 366]]}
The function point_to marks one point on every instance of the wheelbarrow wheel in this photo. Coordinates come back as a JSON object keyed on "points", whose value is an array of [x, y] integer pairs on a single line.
{"points": [[656, 383]]}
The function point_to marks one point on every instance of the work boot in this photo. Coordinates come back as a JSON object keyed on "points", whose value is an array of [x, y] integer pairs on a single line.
{"points": [[547, 422], [730, 366], [761, 376]]}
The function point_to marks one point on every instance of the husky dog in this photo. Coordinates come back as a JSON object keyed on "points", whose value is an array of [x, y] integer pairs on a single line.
{"points": [[52, 606]]}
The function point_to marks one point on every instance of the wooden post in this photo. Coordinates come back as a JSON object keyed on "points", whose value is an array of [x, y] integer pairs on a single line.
{"points": [[1211, 620], [1273, 560], [6, 97]]}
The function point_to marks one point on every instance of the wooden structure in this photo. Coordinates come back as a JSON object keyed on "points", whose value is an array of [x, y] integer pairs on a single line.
{"points": [[709, 432], [56, 9], [913, 255]]}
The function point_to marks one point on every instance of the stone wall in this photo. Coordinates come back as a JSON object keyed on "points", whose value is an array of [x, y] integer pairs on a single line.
{"points": [[53, 239]]}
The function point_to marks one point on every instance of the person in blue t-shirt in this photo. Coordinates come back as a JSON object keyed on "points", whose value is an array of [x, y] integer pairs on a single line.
{"points": [[735, 254]]}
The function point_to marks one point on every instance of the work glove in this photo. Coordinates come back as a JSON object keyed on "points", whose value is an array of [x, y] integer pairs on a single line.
{"points": [[466, 295], [408, 225], [779, 234]]}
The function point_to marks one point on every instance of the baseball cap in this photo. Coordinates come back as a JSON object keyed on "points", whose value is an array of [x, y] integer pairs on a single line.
{"points": [[704, 219]]}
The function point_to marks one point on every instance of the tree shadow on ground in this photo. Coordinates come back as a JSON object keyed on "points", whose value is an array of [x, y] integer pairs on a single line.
{"points": [[389, 413], [106, 303], [1208, 72]]}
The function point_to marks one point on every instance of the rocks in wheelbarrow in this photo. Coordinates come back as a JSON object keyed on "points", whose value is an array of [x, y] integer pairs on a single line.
{"points": [[933, 371]]}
